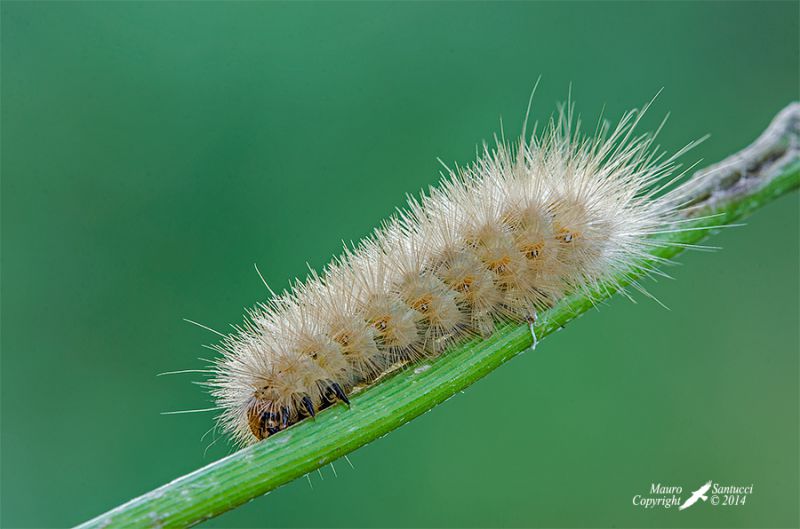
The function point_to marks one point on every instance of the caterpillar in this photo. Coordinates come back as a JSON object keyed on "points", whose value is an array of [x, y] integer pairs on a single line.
{"points": [[503, 238]]}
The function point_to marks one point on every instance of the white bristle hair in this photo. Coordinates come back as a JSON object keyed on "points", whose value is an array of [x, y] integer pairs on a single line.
{"points": [[502, 239]]}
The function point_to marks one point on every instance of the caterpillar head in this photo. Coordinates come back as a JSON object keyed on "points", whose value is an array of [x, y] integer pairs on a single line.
{"points": [[283, 395]]}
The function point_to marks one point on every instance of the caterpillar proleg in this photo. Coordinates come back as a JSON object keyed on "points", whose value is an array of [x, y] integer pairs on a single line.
{"points": [[503, 239]]}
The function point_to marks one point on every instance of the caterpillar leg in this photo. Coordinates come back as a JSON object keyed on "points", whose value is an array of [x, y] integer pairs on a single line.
{"points": [[531, 319], [333, 393], [309, 406], [340, 394]]}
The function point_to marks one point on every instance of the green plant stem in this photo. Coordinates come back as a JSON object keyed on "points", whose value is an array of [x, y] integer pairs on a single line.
{"points": [[724, 193]]}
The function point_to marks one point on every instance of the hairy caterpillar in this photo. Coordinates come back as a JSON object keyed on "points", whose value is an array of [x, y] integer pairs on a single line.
{"points": [[501, 239]]}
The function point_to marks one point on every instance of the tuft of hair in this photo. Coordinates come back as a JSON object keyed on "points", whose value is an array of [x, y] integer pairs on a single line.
{"points": [[508, 236]]}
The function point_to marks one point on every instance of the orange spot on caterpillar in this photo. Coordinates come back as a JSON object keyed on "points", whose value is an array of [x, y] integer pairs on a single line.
{"points": [[343, 339], [499, 265], [381, 323], [465, 284], [532, 251], [422, 304], [566, 235]]}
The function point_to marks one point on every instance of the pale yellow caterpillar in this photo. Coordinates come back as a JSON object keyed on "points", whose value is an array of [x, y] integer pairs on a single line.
{"points": [[502, 239]]}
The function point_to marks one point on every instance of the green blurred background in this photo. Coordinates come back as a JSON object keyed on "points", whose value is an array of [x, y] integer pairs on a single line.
{"points": [[153, 152]]}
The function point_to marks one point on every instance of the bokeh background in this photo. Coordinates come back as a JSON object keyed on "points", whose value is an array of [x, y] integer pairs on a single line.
{"points": [[153, 152]]}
